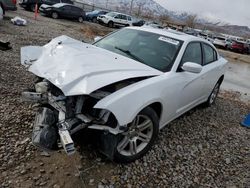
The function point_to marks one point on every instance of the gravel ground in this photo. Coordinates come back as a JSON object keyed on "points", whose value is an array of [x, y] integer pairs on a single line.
{"points": [[206, 147]]}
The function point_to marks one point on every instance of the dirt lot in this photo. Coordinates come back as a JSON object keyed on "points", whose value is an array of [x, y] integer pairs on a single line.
{"points": [[203, 148]]}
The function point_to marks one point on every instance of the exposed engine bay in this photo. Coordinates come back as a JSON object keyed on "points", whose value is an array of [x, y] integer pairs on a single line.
{"points": [[59, 117]]}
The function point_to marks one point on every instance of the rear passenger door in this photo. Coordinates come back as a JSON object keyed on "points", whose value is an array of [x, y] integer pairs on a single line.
{"points": [[211, 69], [75, 12], [124, 20], [65, 11]]}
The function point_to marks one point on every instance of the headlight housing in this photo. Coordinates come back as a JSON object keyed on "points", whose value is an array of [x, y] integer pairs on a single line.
{"points": [[42, 87]]}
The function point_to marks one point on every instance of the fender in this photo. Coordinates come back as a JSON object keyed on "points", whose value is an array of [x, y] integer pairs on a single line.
{"points": [[126, 103]]}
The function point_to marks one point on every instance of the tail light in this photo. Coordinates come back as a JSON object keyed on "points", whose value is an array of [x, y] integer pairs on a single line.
{"points": [[14, 2]]}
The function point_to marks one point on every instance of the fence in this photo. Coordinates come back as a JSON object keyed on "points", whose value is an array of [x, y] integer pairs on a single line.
{"points": [[90, 7]]}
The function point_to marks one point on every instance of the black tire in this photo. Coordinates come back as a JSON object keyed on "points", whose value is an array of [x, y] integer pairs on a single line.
{"points": [[153, 119], [54, 15], [80, 19], [94, 20], [212, 97], [111, 24]]}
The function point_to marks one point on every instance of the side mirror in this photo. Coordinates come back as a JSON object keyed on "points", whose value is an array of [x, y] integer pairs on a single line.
{"points": [[97, 38], [192, 67]]}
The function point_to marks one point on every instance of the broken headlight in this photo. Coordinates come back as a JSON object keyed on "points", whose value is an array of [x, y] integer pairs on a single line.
{"points": [[42, 87]]}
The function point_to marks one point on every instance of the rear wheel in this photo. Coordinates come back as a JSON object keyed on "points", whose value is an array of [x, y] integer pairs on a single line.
{"points": [[212, 97], [111, 24], [139, 138], [54, 15], [94, 20], [80, 19]]}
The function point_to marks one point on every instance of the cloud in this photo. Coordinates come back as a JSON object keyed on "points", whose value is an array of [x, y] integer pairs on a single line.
{"points": [[231, 11]]}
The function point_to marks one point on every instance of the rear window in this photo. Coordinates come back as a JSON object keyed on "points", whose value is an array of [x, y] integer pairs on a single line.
{"points": [[210, 54], [220, 38]]}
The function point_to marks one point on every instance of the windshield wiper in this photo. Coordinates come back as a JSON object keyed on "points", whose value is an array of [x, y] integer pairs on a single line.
{"points": [[130, 54]]}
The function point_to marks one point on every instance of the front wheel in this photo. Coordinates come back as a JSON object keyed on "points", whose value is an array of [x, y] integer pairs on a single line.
{"points": [[54, 15], [80, 19], [110, 24], [212, 97], [139, 138]]}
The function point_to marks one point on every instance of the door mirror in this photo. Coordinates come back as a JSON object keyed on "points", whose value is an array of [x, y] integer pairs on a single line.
{"points": [[97, 38], [191, 67]]}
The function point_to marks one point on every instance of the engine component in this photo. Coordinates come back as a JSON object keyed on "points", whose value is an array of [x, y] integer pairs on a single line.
{"points": [[67, 141], [45, 133], [33, 97], [42, 87]]}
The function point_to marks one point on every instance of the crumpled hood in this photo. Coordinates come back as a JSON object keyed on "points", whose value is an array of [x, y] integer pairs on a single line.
{"points": [[78, 68]]}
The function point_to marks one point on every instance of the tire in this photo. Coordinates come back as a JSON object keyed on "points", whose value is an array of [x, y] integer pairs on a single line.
{"points": [[138, 140], [212, 97], [111, 24], [94, 20], [80, 19], [54, 15]]}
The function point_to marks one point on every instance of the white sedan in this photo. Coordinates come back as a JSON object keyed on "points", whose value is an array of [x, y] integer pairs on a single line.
{"points": [[126, 86]]}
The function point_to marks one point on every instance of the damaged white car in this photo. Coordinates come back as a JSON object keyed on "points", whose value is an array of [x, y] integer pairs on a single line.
{"points": [[127, 85]]}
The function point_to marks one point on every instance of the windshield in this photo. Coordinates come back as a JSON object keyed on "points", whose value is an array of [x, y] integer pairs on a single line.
{"points": [[154, 50]]}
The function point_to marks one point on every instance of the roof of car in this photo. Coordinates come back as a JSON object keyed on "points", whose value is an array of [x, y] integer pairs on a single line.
{"points": [[170, 33], [57, 5], [119, 13]]}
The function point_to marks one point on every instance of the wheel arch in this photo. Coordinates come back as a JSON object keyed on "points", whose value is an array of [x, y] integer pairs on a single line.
{"points": [[157, 107], [221, 79]]}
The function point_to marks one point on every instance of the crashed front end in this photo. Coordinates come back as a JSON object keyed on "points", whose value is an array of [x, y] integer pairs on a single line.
{"points": [[59, 117], [72, 78]]}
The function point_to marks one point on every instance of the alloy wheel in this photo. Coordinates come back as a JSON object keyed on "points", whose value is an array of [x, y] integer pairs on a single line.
{"points": [[137, 137]]}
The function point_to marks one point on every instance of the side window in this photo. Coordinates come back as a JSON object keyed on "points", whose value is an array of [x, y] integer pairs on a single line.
{"points": [[192, 53], [75, 9], [123, 17], [66, 8], [118, 16], [210, 54], [129, 18]]}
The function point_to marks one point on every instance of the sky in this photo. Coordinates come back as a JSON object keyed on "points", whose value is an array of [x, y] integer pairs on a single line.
{"points": [[229, 11]]}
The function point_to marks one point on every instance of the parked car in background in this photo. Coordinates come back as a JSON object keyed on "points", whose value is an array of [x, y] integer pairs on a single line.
{"points": [[206, 36], [153, 25], [63, 10], [8, 5], [113, 19], [30, 4], [126, 87], [138, 22], [92, 16], [238, 46], [220, 42]]}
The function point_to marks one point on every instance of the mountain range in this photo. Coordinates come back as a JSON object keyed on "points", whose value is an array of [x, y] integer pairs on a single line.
{"points": [[156, 9]]}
